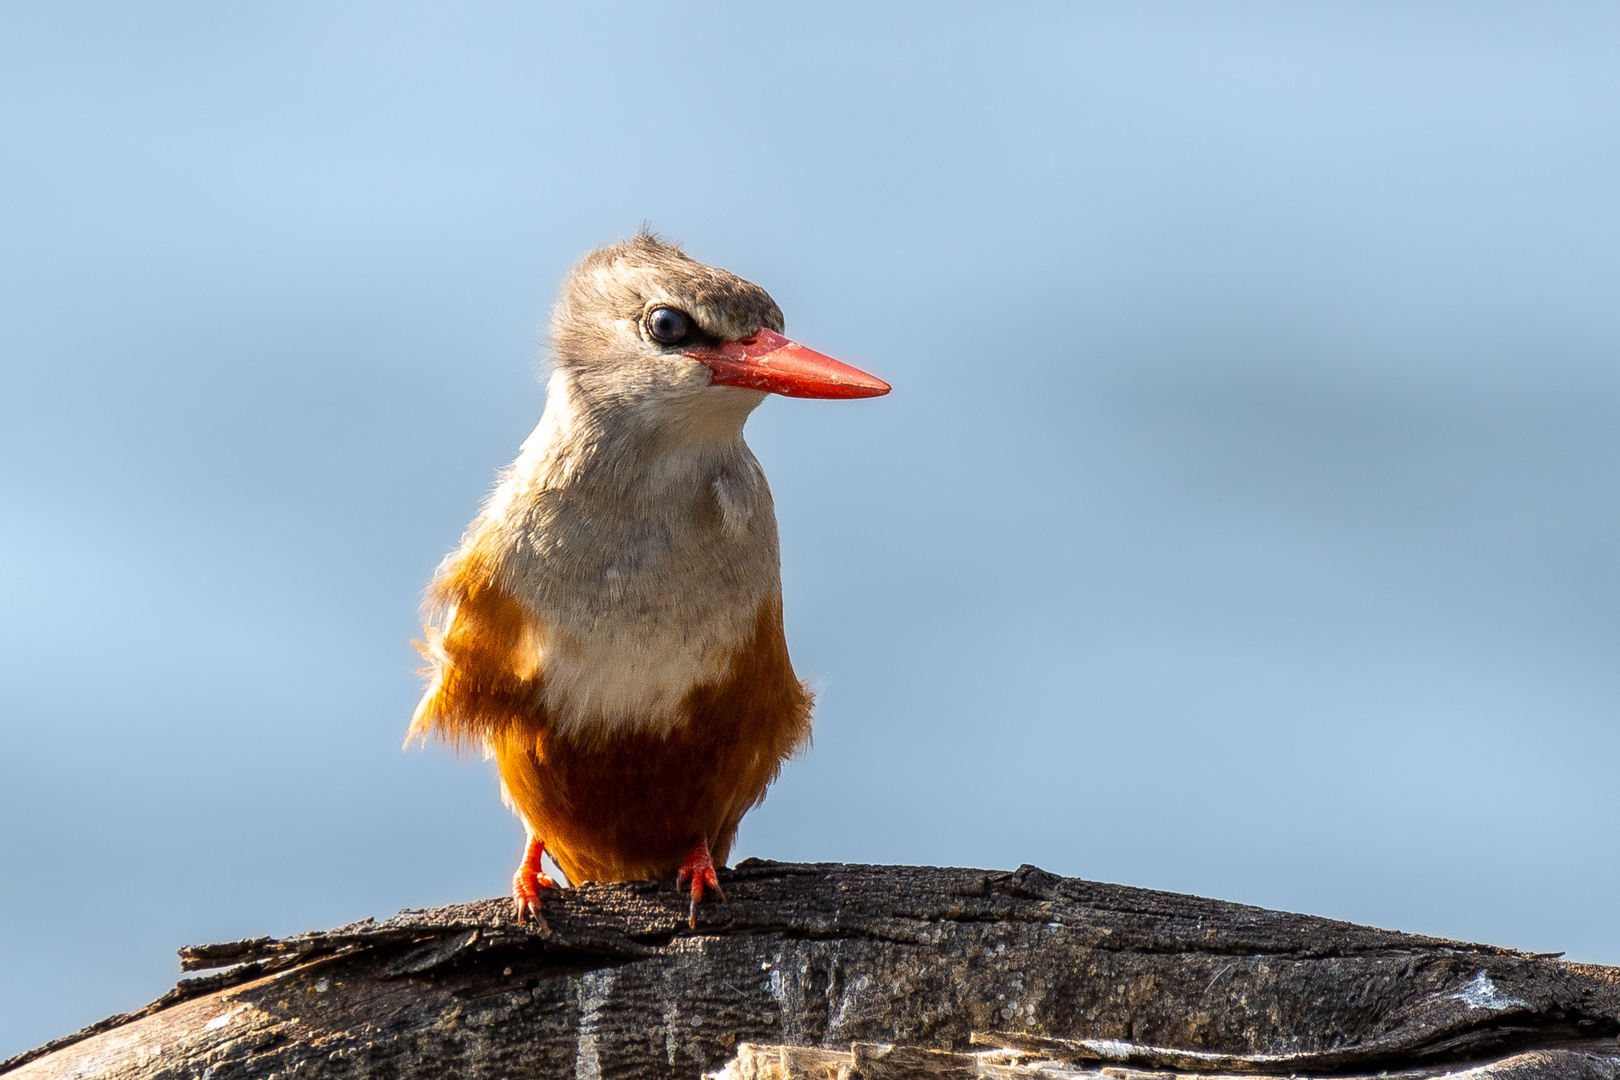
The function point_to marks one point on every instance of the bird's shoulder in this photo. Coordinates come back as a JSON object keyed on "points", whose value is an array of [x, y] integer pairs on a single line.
{"points": [[481, 645]]}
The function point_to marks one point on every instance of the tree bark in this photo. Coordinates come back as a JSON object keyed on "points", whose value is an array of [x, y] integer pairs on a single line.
{"points": [[862, 972]]}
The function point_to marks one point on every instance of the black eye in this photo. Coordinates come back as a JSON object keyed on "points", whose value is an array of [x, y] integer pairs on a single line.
{"points": [[667, 326]]}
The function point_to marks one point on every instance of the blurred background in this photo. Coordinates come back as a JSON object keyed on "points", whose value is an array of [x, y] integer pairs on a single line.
{"points": [[1244, 521]]}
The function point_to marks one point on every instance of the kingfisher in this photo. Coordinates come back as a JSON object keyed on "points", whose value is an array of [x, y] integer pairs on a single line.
{"points": [[610, 627]]}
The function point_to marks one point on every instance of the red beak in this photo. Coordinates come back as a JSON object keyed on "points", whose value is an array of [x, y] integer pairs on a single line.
{"points": [[768, 361]]}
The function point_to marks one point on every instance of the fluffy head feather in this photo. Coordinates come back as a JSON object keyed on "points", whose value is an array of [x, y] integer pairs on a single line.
{"points": [[619, 374]]}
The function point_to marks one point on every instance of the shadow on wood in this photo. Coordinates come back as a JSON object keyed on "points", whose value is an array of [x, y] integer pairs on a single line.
{"points": [[859, 972]]}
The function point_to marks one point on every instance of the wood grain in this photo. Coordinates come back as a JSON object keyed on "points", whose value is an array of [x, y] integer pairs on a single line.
{"points": [[1097, 980]]}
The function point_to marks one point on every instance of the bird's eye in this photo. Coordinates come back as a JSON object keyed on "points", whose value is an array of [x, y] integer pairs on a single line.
{"points": [[667, 326]]}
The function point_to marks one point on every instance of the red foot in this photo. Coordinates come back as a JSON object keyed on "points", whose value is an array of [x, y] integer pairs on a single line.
{"points": [[528, 881], [699, 866]]}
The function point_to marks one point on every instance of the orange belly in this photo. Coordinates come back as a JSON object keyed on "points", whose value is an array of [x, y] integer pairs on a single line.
{"points": [[627, 804], [631, 808], [630, 805]]}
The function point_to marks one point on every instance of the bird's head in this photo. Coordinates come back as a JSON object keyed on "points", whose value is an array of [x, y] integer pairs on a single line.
{"points": [[646, 336]]}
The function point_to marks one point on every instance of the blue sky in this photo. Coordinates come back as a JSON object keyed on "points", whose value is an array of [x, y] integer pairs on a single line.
{"points": [[1243, 522]]}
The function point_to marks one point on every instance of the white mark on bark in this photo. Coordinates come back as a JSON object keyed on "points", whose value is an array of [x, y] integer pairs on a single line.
{"points": [[1112, 1049], [787, 988], [224, 1018], [592, 992], [672, 1015], [852, 994], [1482, 994]]}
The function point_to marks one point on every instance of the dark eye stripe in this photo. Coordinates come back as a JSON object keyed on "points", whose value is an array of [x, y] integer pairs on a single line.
{"points": [[667, 326]]}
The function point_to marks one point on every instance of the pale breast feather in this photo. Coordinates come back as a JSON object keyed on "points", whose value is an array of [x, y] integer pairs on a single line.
{"points": [[609, 611]]}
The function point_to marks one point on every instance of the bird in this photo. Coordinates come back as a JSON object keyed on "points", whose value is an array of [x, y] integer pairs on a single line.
{"points": [[610, 628]]}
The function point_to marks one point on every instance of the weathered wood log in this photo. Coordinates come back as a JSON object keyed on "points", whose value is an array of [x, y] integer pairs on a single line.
{"points": [[859, 971]]}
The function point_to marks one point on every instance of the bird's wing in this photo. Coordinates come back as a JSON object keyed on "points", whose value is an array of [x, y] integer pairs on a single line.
{"points": [[482, 647]]}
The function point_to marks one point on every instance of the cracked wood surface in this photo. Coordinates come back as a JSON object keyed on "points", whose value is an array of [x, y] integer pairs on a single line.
{"points": [[884, 1061], [828, 956]]}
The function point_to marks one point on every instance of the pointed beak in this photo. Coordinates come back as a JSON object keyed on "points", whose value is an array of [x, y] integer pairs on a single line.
{"points": [[770, 362]]}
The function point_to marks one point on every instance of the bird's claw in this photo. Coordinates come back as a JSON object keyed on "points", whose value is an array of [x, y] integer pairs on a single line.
{"points": [[526, 897], [526, 886], [529, 911], [699, 867]]}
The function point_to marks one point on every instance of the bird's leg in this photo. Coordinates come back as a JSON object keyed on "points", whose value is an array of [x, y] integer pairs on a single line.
{"points": [[699, 866], [529, 880]]}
